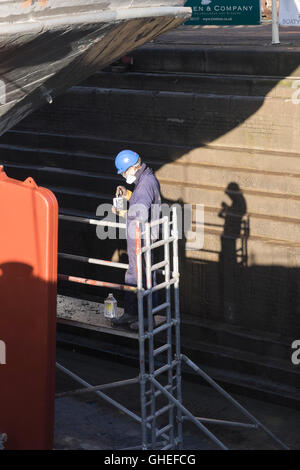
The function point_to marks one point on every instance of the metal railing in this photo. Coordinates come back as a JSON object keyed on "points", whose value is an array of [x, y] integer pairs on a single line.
{"points": [[165, 380]]}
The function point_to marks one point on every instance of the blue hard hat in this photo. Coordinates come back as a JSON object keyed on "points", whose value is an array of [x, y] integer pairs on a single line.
{"points": [[125, 160]]}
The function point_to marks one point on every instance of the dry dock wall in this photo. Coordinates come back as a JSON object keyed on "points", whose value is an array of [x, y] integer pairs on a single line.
{"points": [[218, 125]]}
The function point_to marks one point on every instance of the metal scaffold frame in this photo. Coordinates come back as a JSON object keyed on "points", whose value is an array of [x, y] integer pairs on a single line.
{"points": [[166, 380]]}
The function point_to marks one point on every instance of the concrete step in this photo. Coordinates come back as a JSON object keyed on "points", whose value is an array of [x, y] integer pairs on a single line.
{"points": [[267, 250], [261, 294], [243, 85], [268, 226], [68, 197], [256, 366], [268, 348], [92, 182], [263, 225], [95, 343], [195, 119], [239, 60], [283, 182], [275, 204], [56, 159], [68, 148], [234, 337], [271, 227], [272, 285]]}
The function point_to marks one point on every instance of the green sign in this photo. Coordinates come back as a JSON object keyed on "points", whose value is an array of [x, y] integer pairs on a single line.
{"points": [[224, 12]]}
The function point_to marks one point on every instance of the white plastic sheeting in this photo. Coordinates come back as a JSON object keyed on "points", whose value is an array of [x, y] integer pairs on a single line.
{"points": [[289, 12]]}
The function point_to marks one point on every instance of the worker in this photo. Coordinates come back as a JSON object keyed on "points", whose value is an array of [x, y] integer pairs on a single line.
{"points": [[144, 205]]}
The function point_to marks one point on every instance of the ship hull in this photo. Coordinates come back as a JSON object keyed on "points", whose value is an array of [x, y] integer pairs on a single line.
{"points": [[42, 57]]}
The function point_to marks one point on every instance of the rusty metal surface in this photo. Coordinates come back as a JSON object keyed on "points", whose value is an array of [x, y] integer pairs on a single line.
{"points": [[47, 46]]}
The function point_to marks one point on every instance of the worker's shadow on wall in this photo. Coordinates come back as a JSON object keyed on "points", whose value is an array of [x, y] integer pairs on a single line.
{"points": [[217, 281], [214, 282], [234, 252], [225, 285]]}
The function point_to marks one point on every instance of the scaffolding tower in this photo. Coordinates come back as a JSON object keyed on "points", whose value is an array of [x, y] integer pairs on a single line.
{"points": [[160, 367]]}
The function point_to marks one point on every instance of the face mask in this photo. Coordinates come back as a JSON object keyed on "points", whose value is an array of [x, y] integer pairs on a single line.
{"points": [[130, 179]]}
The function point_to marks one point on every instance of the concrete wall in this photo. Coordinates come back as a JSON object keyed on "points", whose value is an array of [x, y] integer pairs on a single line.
{"points": [[219, 125]]}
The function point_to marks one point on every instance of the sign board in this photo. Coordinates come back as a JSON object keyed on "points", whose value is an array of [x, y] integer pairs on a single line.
{"points": [[224, 12], [289, 12]]}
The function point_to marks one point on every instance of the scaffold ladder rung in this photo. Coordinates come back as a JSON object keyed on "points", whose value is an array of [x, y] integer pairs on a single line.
{"points": [[158, 393], [158, 244], [161, 286], [160, 265], [160, 307], [160, 412], [149, 392], [165, 368], [161, 328], [161, 349], [167, 447], [163, 430]]}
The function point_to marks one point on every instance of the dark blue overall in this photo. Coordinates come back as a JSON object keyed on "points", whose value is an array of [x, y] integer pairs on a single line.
{"points": [[145, 206]]}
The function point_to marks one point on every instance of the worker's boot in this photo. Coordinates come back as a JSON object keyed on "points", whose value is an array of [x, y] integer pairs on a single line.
{"points": [[135, 325], [125, 319]]}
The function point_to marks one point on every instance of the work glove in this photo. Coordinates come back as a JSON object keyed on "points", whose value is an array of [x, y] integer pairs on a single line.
{"points": [[121, 191], [120, 213]]}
